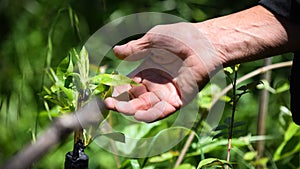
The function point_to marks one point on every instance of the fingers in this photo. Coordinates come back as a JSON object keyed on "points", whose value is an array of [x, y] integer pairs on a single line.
{"points": [[133, 50], [159, 109], [143, 102]]}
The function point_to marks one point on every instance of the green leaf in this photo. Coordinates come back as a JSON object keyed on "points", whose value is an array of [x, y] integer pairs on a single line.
{"points": [[64, 67], [221, 127], [292, 130], [250, 155], [266, 85], [239, 123], [135, 164], [68, 92], [76, 80], [228, 70], [112, 80], [83, 64], [219, 135], [212, 162], [185, 166], [250, 86], [283, 88], [164, 157]]}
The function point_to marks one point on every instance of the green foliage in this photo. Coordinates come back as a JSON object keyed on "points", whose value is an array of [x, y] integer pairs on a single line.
{"points": [[223, 129], [38, 83]]}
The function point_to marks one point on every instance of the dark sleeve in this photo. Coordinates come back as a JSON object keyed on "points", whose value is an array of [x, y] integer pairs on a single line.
{"points": [[289, 9]]}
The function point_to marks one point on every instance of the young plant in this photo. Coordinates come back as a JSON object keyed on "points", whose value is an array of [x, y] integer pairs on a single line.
{"points": [[229, 126], [73, 87]]}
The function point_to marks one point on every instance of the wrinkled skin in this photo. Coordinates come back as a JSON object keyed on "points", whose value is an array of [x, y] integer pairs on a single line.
{"points": [[171, 74]]}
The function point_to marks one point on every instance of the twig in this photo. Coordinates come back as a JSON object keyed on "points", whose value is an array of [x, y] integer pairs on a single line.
{"points": [[184, 150], [248, 76], [89, 115]]}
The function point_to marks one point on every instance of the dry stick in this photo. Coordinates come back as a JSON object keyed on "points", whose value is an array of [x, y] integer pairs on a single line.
{"points": [[58, 131], [225, 90], [263, 110]]}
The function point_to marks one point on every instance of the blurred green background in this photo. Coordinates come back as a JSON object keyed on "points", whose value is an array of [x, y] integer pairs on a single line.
{"points": [[31, 30]]}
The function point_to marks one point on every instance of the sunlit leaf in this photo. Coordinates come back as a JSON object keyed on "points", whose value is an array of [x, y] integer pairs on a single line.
{"points": [[83, 64], [284, 87], [135, 164], [113, 80], [250, 86], [212, 162], [292, 130], [236, 67], [164, 157], [250, 155], [266, 86], [228, 70]]}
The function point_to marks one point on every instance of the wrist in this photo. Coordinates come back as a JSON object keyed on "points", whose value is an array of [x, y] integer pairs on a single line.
{"points": [[245, 36]]}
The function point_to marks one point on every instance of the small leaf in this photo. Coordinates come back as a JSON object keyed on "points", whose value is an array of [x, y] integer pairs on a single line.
{"points": [[113, 80], [83, 64], [219, 135], [228, 71], [135, 164], [284, 87], [250, 155], [250, 86], [221, 127], [64, 67], [236, 67], [68, 92], [239, 123], [212, 162]]}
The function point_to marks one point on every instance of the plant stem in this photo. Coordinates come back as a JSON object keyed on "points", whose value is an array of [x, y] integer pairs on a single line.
{"points": [[234, 100], [78, 132]]}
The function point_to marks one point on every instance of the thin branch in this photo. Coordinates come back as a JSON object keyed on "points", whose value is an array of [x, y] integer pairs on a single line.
{"points": [[250, 75], [89, 115]]}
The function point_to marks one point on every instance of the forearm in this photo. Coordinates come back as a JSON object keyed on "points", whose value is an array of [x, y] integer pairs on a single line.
{"points": [[250, 35]]}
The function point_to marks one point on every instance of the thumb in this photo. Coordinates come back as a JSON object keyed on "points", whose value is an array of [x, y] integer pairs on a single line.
{"points": [[133, 50]]}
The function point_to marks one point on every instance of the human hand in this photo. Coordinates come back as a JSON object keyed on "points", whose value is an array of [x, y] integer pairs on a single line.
{"points": [[177, 61]]}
